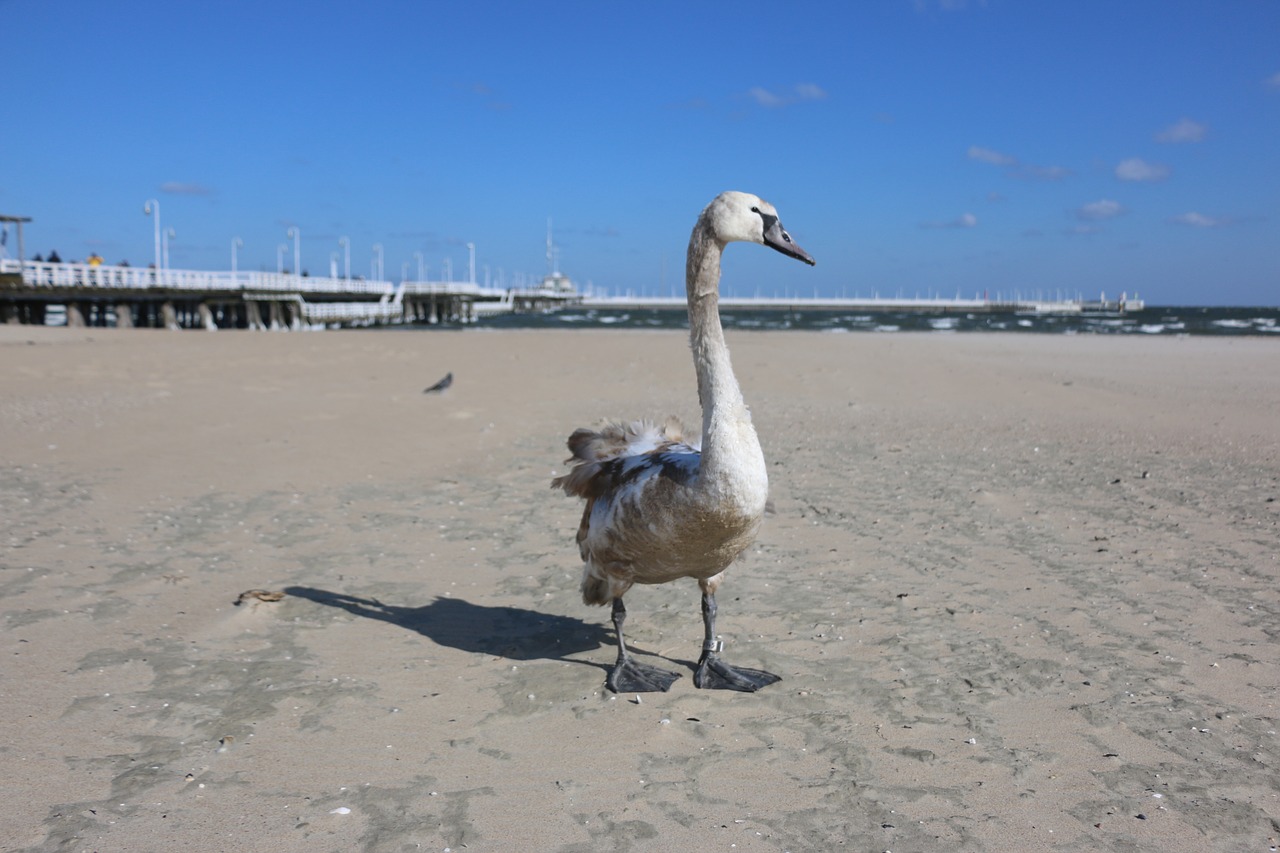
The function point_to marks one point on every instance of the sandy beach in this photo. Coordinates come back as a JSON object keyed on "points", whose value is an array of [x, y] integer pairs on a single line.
{"points": [[1022, 591]]}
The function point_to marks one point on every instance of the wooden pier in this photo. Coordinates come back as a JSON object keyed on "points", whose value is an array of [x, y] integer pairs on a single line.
{"points": [[100, 295], [129, 297]]}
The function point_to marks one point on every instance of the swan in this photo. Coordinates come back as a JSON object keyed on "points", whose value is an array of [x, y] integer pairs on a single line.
{"points": [[661, 505]]}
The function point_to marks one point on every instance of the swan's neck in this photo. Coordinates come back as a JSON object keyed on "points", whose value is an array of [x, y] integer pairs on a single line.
{"points": [[731, 455]]}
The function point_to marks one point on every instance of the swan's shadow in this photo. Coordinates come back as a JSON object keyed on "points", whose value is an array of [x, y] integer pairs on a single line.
{"points": [[509, 632]]}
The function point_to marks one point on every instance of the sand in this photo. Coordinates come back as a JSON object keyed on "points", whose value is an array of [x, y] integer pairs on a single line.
{"points": [[1022, 591]]}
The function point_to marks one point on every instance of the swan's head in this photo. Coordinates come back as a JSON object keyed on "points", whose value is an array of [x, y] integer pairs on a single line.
{"points": [[747, 218]]}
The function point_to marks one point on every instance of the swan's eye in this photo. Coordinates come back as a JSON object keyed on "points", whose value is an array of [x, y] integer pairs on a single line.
{"points": [[755, 210]]}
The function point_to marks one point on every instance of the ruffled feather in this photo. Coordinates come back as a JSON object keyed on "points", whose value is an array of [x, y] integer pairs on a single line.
{"points": [[606, 459]]}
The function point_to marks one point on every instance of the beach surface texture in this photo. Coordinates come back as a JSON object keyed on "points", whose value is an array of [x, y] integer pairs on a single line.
{"points": [[1023, 592]]}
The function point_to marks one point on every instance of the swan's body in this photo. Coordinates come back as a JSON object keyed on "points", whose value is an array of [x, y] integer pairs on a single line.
{"points": [[662, 506]]}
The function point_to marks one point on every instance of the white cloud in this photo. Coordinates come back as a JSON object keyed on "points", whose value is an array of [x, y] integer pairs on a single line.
{"points": [[1016, 168], [180, 188], [995, 158], [1196, 220], [484, 92], [792, 95], [765, 98], [810, 92], [964, 220], [1096, 211], [1273, 82], [1137, 169], [1041, 173], [1183, 130]]}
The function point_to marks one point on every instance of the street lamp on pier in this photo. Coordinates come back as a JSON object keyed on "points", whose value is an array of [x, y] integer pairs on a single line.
{"points": [[377, 252], [448, 270], [296, 235], [418, 255], [152, 208], [471, 250], [345, 243], [236, 243], [169, 234], [280, 250]]}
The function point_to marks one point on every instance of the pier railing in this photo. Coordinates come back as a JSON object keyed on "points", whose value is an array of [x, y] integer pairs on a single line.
{"points": [[103, 277]]}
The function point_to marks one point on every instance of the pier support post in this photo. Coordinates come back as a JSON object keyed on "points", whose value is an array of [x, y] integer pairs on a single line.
{"points": [[124, 315], [75, 314], [169, 316], [9, 314], [206, 316]]}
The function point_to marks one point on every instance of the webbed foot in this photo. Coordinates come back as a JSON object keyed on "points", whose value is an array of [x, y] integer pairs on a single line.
{"points": [[715, 674], [628, 676]]}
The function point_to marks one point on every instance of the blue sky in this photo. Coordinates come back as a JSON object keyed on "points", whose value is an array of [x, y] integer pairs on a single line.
{"points": [[912, 146]]}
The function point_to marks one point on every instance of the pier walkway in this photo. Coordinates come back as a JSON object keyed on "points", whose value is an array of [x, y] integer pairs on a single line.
{"points": [[102, 295]]}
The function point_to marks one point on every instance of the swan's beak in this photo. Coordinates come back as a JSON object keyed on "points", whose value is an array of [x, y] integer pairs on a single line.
{"points": [[776, 237]]}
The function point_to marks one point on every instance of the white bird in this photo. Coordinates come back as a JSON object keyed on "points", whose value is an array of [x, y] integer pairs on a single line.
{"points": [[662, 507]]}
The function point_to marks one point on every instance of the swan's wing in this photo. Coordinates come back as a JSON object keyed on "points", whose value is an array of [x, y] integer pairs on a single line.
{"points": [[626, 496], [607, 459], [625, 439]]}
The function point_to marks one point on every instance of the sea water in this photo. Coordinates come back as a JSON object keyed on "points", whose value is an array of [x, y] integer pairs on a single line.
{"points": [[1150, 321]]}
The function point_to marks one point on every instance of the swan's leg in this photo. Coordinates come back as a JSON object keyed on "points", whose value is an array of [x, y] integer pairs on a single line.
{"points": [[628, 676], [715, 674]]}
